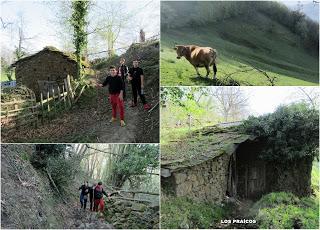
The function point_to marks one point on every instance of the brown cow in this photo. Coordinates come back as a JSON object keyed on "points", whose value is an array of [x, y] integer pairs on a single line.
{"points": [[198, 57]]}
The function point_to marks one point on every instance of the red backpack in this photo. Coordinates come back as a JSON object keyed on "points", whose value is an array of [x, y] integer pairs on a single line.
{"points": [[98, 192]]}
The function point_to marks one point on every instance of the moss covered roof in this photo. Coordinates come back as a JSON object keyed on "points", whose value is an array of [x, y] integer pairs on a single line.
{"points": [[68, 56], [200, 146]]}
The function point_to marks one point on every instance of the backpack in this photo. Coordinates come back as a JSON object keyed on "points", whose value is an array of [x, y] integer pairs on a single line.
{"points": [[98, 192]]}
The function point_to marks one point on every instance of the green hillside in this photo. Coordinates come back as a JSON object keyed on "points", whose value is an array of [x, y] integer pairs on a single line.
{"points": [[242, 43]]}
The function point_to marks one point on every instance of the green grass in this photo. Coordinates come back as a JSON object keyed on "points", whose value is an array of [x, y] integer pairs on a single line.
{"points": [[5, 78], [240, 45], [315, 178], [285, 210], [181, 212]]}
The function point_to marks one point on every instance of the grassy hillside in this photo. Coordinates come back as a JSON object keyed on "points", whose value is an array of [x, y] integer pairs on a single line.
{"points": [[242, 43]]}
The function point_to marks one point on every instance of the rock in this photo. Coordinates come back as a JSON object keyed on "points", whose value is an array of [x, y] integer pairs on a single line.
{"points": [[180, 177], [138, 207], [77, 223], [126, 212]]}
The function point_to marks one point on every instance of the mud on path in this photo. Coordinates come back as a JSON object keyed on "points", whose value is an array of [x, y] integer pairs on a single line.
{"points": [[88, 121]]}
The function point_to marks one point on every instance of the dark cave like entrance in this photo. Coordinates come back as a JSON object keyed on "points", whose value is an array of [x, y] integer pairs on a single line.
{"points": [[247, 172]]}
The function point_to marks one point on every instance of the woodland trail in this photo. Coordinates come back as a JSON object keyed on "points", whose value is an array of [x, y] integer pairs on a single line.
{"points": [[85, 219], [89, 122]]}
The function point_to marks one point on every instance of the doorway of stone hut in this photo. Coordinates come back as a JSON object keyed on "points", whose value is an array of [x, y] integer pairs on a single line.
{"points": [[247, 172]]}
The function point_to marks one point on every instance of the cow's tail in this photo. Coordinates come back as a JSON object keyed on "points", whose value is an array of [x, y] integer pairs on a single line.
{"points": [[214, 54]]}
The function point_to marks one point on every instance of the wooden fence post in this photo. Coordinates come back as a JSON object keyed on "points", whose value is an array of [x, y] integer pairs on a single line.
{"points": [[53, 101], [64, 97], [48, 106], [7, 114], [42, 110], [68, 92], [34, 109], [15, 104], [59, 97], [69, 87]]}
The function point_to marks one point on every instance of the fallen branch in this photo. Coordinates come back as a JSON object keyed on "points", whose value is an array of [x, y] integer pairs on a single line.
{"points": [[55, 186], [142, 192], [270, 78], [150, 110], [136, 200], [81, 91]]}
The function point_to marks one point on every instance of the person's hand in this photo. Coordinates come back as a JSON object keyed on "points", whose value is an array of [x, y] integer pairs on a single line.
{"points": [[121, 97], [129, 78], [99, 85]]}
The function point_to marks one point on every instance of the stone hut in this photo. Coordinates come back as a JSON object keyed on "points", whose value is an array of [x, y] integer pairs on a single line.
{"points": [[46, 69], [223, 162]]}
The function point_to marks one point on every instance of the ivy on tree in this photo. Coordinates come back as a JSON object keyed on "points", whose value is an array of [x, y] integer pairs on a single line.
{"points": [[79, 23]]}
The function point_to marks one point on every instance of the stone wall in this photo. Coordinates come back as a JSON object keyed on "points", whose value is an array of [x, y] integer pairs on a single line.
{"points": [[47, 66], [132, 215], [204, 182], [294, 177]]}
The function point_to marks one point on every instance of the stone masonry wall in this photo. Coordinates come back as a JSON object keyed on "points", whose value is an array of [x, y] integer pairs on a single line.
{"points": [[45, 66], [204, 182]]}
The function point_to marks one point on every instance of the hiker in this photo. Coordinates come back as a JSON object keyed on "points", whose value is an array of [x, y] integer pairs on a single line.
{"points": [[98, 197], [84, 194], [137, 81], [123, 73], [115, 94], [91, 196]]}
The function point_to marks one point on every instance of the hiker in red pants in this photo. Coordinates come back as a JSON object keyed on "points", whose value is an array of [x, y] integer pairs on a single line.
{"points": [[115, 94], [98, 198]]}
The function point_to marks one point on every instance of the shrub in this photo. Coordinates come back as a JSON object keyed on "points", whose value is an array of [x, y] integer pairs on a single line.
{"points": [[291, 132], [181, 212], [63, 171], [284, 210]]}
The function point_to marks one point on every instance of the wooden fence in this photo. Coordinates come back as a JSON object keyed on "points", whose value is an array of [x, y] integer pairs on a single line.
{"points": [[21, 112]]}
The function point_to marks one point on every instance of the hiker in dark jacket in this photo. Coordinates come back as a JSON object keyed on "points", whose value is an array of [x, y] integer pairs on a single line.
{"points": [[123, 73], [137, 81], [84, 194], [98, 197], [91, 196], [115, 94]]}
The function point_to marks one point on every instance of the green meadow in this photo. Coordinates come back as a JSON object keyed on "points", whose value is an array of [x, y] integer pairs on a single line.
{"points": [[257, 51]]}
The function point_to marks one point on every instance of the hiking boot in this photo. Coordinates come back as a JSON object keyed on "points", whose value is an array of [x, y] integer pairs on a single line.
{"points": [[146, 107], [113, 119], [122, 123]]}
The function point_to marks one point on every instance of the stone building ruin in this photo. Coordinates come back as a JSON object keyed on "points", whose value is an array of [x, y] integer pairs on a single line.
{"points": [[45, 70], [229, 166]]}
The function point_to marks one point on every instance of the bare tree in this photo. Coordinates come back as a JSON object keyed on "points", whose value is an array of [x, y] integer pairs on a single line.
{"points": [[20, 49], [309, 95], [232, 101], [113, 21]]}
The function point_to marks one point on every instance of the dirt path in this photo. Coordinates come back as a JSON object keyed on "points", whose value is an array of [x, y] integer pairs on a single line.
{"points": [[88, 220], [88, 121]]}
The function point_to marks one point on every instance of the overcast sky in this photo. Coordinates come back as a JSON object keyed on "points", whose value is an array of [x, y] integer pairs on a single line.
{"points": [[39, 15], [265, 99], [39, 25]]}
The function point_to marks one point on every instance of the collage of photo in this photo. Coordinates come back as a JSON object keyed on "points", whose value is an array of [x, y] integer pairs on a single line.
{"points": [[152, 114]]}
